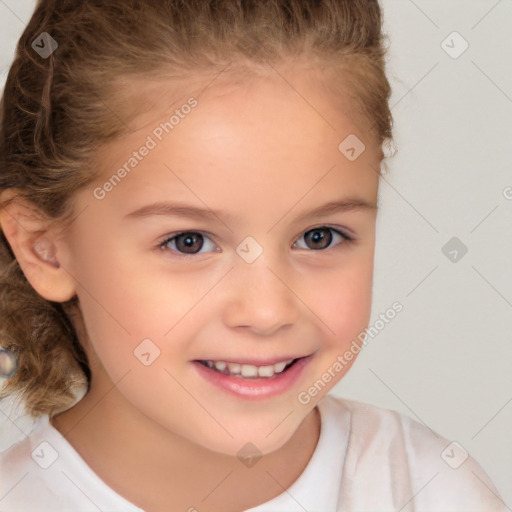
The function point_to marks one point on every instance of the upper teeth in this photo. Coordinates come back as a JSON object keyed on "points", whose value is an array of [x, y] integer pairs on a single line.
{"points": [[248, 370]]}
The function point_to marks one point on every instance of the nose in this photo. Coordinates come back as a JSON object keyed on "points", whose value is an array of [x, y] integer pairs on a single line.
{"points": [[259, 298]]}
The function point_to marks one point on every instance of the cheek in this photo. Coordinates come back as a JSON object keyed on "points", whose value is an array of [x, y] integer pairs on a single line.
{"points": [[343, 300], [115, 319], [124, 306], [345, 309]]}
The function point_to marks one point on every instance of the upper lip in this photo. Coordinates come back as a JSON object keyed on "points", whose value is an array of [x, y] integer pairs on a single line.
{"points": [[254, 362]]}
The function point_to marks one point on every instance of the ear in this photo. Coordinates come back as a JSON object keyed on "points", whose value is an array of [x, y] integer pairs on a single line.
{"points": [[36, 245]]}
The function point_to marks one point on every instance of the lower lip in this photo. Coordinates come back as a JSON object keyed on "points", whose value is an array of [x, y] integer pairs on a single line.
{"points": [[253, 388]]}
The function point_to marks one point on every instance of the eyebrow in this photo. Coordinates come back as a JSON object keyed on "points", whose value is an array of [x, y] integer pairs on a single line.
{"points": [[176, 209]]}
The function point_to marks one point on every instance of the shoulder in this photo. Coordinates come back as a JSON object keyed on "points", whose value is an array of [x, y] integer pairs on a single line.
{"points": [[43, 473], [408, 463], [24, 473]]}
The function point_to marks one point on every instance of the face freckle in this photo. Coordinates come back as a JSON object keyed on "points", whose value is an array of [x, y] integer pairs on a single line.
{"points": [[242, 168]]}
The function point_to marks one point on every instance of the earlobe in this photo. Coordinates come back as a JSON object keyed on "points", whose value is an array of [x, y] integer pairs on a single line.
{"points": [[35, 247]]}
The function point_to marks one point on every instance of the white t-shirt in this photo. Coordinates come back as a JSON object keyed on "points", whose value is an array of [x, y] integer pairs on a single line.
{"points": [[367, 459]]}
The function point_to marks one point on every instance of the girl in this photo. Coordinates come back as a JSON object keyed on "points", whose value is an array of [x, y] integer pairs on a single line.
{"points": [[189, 196]]}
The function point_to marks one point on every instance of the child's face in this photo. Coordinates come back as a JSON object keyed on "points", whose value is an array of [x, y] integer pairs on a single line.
{"points": [[263, 155]]}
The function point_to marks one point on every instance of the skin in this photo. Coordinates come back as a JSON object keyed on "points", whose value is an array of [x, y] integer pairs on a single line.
{"points": [[262, 154]]}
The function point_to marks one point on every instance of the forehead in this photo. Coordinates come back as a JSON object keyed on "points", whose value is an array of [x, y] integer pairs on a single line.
{"points": [[274, 135], [300, 85]]}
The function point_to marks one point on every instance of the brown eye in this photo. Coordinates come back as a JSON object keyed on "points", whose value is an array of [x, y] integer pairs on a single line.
{"points": [[321, 238], [318, 238], [189, 243]]}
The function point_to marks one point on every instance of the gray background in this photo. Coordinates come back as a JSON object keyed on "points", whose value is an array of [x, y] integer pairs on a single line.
{"points": [[444, 360]]}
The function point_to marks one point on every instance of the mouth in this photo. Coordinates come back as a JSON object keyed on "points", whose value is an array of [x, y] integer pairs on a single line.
{"points": [[249, 371], [253, 379]]}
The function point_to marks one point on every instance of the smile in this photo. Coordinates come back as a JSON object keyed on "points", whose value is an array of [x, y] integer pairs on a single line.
{"points": [[253, 379], [248, 370]]}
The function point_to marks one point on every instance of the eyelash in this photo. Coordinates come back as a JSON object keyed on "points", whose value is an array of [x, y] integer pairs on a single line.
{"points": [[346, 239]]}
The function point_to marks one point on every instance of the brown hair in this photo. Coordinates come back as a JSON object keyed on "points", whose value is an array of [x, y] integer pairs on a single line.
{"points": [[56, 111]]}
